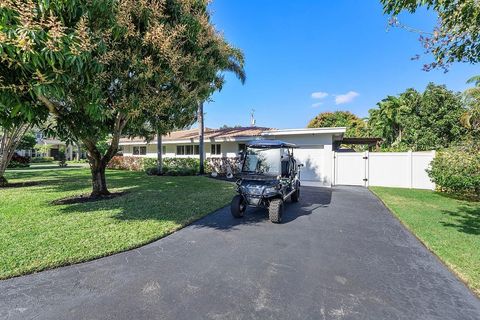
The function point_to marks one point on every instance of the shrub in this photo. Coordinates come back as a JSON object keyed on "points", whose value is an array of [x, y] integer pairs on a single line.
{"points": [[18, 161], [178, 167], [127, 163], [457, 170], [78, 161], [62, 158], [42, 159]]}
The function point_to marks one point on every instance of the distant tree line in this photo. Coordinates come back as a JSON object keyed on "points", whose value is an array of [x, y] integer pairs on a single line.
{"points": [[433, 119]]}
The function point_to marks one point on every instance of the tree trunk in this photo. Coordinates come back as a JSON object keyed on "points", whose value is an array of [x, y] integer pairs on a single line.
{"points": [[201, 131], [159, 153], [98, 163], [79, 151], [99, 182], [9, 140]]}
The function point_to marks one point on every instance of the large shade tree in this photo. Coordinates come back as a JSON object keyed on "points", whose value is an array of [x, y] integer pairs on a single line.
{"points": [[36, 52], [455, 38], [419, 120], [356, 127], [139, 59]]}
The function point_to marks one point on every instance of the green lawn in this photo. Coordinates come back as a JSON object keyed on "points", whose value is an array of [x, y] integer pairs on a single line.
{"points": [[36, 235], [448, 227]]}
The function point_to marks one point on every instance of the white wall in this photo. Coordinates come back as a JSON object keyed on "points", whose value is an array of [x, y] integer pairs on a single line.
{"points": [[315, 152], [228, 149], [386, 169]]}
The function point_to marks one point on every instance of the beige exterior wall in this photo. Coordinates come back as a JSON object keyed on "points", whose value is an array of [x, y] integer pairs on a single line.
{"points": [[314, 152], [228, 149]]}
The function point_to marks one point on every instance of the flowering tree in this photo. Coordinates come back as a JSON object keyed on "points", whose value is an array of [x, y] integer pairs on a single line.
{"points": [[132, 61], [37, 51], [455, 38]]}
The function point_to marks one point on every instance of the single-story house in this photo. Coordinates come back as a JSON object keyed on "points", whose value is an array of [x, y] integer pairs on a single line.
{"points": [[315, 150], [52, 149]]}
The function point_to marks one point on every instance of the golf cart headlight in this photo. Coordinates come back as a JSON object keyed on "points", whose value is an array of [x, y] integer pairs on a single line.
{"points": [[270, 190], [253, 190]]}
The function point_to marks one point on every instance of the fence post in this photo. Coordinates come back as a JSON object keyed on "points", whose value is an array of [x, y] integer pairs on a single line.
{"points": [[410, 169], [334, 168], [367, 168]]}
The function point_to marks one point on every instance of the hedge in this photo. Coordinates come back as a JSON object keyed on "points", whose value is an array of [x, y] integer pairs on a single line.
{"points": [[457, 170]]}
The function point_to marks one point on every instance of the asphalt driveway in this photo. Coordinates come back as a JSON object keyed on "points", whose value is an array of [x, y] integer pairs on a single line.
{"points": [[339, 255]]}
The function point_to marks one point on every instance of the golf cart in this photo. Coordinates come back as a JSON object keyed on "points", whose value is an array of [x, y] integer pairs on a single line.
{"points": [[269, 176]]}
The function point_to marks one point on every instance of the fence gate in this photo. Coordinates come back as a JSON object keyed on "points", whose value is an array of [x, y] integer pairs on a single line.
{"points": [[388, 169], [351, 168]]}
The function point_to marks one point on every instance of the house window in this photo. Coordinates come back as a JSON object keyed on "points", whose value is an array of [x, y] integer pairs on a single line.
{"points": [[216, 149], [180, 150], [139, 151], [188, 150], [242, 147], [164, 149]]}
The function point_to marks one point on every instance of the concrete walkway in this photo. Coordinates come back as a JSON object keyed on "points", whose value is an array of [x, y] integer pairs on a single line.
{"points": [[339, 255]]}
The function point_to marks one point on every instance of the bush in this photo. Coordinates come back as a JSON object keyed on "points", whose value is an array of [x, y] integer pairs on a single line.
{"points": [[127, 163], [457, 170], [42, 159], [62, 158], [78, 161], [178, 167], [18, 161]]}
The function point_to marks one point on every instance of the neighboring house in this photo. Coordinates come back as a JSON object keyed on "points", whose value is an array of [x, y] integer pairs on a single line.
{"points": [[315, 150], [52, 149]]}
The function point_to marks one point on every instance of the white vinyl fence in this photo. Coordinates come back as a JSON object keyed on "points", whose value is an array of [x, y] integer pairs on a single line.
{"points": [[386, 169]]}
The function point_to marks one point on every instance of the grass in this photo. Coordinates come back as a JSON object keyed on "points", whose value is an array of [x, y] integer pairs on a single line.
{"points": [[448, 227], [37, 235]]}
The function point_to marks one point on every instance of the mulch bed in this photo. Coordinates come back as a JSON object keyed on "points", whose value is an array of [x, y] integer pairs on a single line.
{"points": [[21, 184], [84, 198]]}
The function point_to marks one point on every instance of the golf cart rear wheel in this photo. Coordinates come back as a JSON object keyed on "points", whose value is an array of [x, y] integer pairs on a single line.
{"points": [[238, 206], [275, 210], [296, 195]]}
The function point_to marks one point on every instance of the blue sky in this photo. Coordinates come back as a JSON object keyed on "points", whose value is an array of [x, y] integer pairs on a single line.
{"points": [[340, 50]]}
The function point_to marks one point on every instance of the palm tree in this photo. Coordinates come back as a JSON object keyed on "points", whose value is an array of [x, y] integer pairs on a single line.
{"points": [[385, 120], [228, 59]]}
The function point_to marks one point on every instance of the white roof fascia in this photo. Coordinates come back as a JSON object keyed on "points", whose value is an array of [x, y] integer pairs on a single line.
{"points": [[306, 131]]}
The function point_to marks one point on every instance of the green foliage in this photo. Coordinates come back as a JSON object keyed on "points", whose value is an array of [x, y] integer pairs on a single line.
{"points": [[457, 170], [471, 118], [62, 157], [28, 141], [43, 148], [42, 159], [356, 127], [18, 161], [419, 121], [178, 167], [455, 38]]}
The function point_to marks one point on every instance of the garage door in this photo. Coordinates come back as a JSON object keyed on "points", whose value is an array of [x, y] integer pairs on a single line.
{"points": [[312, 160]]}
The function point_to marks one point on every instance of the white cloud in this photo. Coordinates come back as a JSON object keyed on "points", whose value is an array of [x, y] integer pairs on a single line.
{"points": [[316, 105], [319, 95], [346, 98]]}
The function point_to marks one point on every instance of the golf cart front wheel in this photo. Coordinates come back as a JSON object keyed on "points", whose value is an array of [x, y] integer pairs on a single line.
{"points": [[275, 210], [238, 206]]}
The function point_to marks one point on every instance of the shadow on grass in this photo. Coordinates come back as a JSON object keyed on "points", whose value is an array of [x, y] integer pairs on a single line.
{"points": [[467, 219], [178, 200], [310, 199]]}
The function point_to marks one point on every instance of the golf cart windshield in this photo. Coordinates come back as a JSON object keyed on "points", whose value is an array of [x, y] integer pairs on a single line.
{"points": [[262, 161]]}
